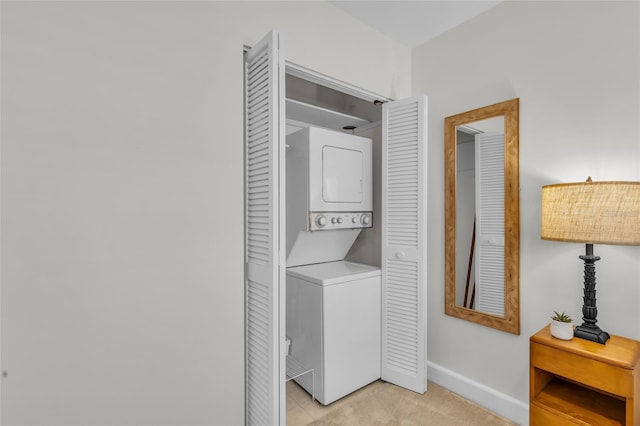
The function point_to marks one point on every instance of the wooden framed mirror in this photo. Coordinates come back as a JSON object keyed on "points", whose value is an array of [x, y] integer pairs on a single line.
{"points": [[482, 216]]}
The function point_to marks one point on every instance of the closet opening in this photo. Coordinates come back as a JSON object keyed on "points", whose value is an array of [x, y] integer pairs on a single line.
{"points": [[333, 279]]}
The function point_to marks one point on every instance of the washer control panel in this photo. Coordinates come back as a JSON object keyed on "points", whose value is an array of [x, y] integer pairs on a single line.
{"points": [[325, 221]]}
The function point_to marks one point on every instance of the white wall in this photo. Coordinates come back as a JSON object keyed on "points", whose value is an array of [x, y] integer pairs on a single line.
{"points": [[575, 67], [122, 199]]}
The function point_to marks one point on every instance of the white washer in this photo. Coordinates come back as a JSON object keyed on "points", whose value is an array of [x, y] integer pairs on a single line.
{"points": [[333, 321]]}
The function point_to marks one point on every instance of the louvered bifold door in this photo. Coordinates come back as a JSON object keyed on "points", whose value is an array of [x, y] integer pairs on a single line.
{"points": [[404, 257], [264, 233], [490, 222]]}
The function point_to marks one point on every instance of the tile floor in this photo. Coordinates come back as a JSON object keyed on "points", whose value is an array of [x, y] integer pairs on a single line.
{"points": [[382, 403]]}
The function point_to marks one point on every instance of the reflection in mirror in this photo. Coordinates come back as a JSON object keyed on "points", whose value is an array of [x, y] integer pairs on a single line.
{"points": [[482, 216], [480, 211]]}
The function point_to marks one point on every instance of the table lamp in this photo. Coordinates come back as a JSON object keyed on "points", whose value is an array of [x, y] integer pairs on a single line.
{"points": [[591, 213]]}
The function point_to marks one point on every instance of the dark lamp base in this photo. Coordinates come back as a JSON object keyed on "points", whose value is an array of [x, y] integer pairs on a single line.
{"points": [[591, 333]]}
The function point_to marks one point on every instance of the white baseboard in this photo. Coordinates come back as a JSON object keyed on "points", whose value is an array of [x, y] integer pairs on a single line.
{"points": [[498, 402]]}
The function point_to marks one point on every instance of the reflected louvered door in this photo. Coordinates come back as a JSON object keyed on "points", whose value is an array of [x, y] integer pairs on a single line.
{"points": [[264, 233], [404, 155], [490, 222]]}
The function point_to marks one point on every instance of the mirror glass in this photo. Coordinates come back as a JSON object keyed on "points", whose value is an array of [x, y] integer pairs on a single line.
{"points": [[482, 219]]}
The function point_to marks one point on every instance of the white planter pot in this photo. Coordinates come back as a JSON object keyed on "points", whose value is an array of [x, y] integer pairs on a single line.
{"points": [[562, 330]]}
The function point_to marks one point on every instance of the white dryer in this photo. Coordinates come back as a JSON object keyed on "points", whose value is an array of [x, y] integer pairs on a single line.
{"points": [[333, 321], [329, 192]]}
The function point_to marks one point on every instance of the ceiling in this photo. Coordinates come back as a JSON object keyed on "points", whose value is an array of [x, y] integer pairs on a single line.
{"points": [[412, 23]]}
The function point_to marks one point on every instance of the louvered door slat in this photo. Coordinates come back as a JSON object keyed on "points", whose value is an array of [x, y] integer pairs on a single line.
{"points": [[264, 366], [490, 222], [403, 241]]}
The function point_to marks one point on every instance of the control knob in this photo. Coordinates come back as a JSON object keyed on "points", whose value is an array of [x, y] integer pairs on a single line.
{"points": [[339, 220], [321, 221], [365, 219]]}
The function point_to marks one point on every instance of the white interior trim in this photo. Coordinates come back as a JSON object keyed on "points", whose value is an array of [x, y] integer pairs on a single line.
{"points": [[498, 402], [308, 113]]}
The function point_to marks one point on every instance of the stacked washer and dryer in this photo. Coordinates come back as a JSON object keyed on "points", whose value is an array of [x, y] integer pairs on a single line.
{"points": [[333, 305]]}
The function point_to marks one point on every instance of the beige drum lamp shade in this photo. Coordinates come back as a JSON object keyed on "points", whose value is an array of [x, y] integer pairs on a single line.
{"points": [[592, 212]]}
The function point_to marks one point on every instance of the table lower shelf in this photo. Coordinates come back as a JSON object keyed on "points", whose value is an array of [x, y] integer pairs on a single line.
{"points": [[566, 399]]}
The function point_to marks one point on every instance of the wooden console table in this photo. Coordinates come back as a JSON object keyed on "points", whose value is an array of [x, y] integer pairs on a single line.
{"points": [[583, 383]]}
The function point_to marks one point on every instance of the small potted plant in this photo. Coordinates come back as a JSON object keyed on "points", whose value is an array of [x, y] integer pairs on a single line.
{"points": [[561, 326]]}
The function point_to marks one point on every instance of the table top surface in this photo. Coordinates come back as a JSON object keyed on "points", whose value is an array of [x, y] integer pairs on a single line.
{"points": [[619, 351]]}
